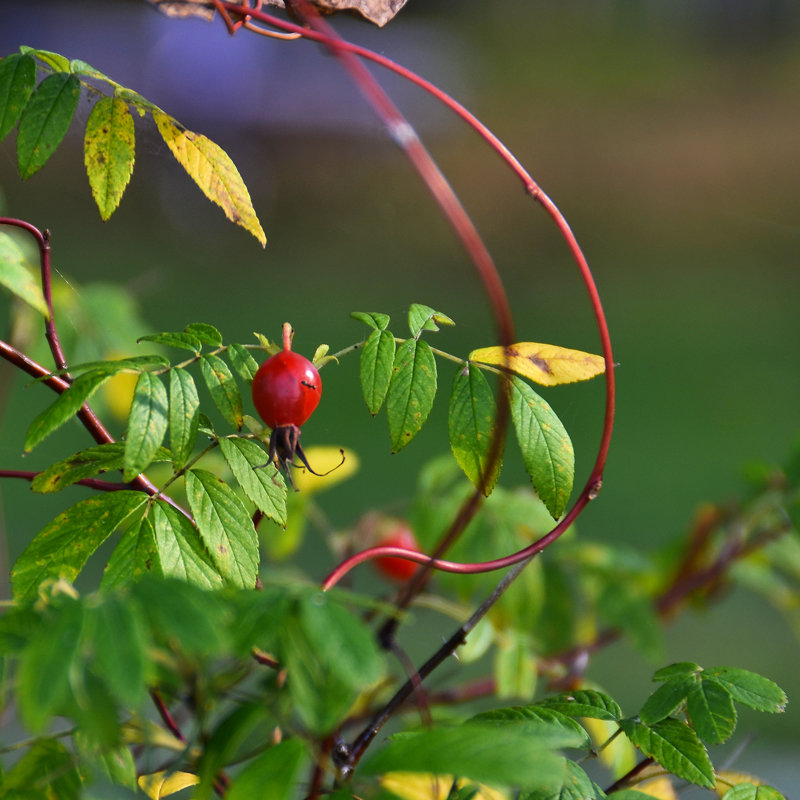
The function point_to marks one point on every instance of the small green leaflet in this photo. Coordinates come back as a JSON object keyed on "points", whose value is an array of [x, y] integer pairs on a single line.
{"points": [[180, 551], [265, 486], [411, 392], [64, 408], [17, 79], [136, 555], [225, 527], [666, 699], [45, 120], [675, 746], [64, 545], [584, 703], [55, 61], [206, 333], [147, 424], [242, 362], [545, 444], [184, 415], [545, 726], [711, 710], [748, 791], [179, 339], [376, 363], [679, 668], [424, 318], [223, 388], [471, 425], [17, 278], [750, 689], [374, 319], [109, 152]]}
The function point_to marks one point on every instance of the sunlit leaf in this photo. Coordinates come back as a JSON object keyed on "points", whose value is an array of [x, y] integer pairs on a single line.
{"points": [[424, 318], [16, 277], [584, 703], [109, 152], [184, 415], [376, 363], [135, 555], [750, 791], [225, 527], [223, 387], [540, 723], [180, 551], [546, 447], [17, 80], [206, 333], [546, 364], [147, 424], [471, 426], [675, 746], [80, 67], [411, 392], [45, 120], [265, 486], [212, 170], [426, 786], [241, 360], [56, 61], [164, 783], [63, 546], [750, 689]]}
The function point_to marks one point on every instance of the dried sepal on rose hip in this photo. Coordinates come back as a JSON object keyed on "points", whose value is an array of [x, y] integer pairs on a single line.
{"points": [[286, 389]]}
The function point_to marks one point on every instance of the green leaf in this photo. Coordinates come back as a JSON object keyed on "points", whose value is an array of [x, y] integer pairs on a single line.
{"points": [[45, 120], [147, 424], [546, 447], [471, 424], [711, 710], [206, 333], [375, 364], [271, 774], [136, 555], [515, 666], [184, 415], [374, 319], [83, 464], [65, 407], [243, 363], [266, 487], [46, 770], [750, 689], [225, 527], [212, 170], [584, 703], [145, 363], [114, 762], [17, 79], [55, 61], [63, 546], [424, 318], [411, 392], [545, 726], [180, 339], [679, 668], [223, 388], [575, 784], [116, 635], [675, 746], [181, 553], [80, 67], [630, 794], [16, 277], [748, 791], [490, 755], [109, 152], [667, 698]]}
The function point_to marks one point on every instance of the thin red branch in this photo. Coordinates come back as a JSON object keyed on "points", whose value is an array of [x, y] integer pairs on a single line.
{"points": [[92, 483]]}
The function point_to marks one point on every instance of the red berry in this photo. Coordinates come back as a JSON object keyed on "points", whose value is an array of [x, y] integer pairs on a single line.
{"points": [[397, 569], [286, 389]]}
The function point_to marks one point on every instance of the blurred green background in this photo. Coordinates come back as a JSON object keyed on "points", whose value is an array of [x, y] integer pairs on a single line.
{"points": [[669, 135]]}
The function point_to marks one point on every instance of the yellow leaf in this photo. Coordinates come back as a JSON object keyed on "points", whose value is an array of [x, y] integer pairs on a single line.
{"points": [[425, 786], [163, 784], [325, 460], [212, 170], [619, 755], [661, 788], [546, 364]]}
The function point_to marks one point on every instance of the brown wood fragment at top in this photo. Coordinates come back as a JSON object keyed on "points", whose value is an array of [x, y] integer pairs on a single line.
{"points": [[377, 11]]}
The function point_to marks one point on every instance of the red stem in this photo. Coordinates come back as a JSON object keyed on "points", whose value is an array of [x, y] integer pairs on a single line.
{"points": [[92, 483]]}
